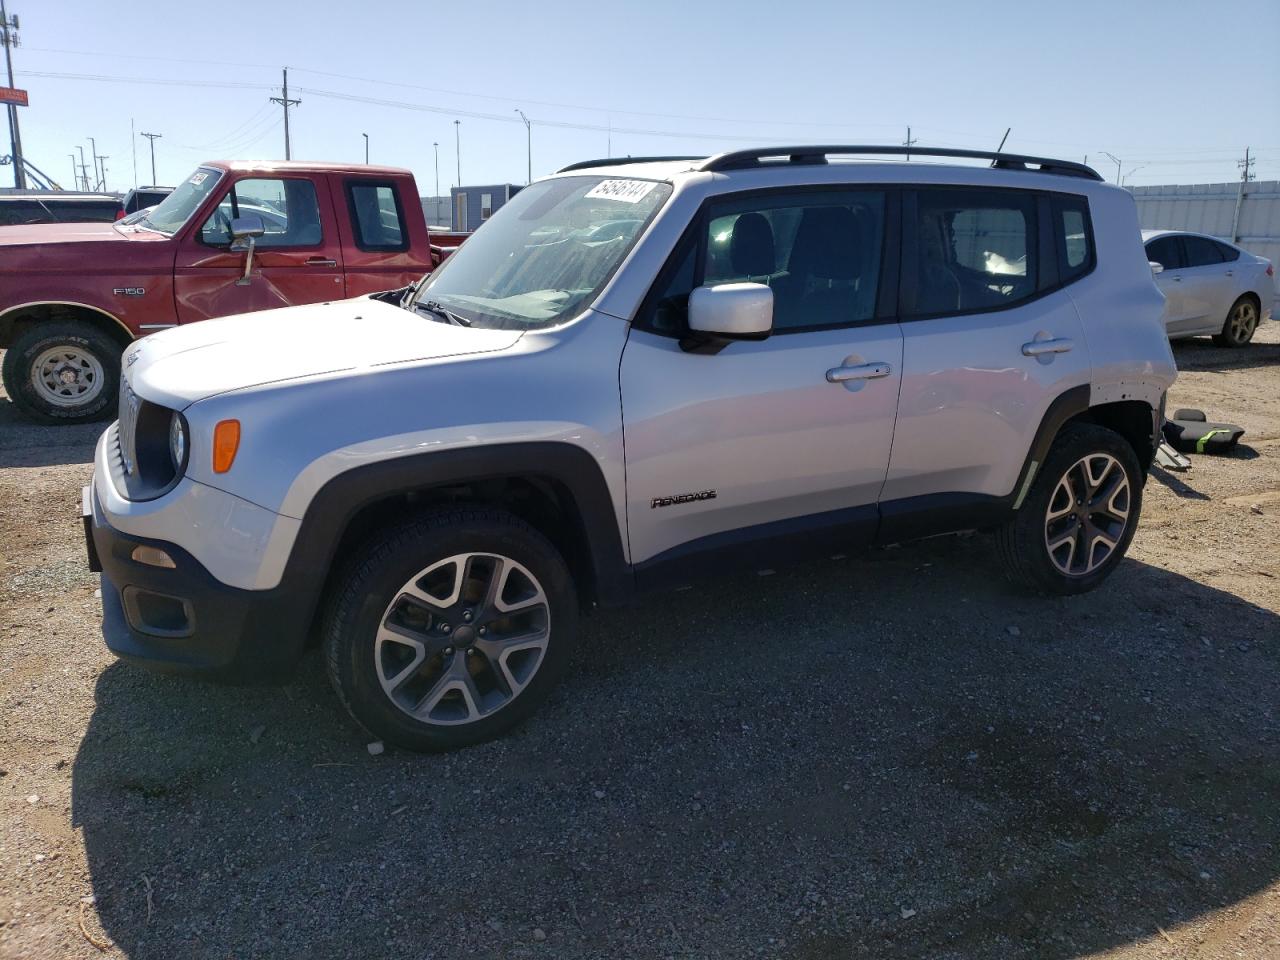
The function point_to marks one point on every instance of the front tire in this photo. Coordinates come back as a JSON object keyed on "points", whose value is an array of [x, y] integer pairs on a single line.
{"points": [[451, 630], [63, 372], [1080, 515], [1241, 322]]}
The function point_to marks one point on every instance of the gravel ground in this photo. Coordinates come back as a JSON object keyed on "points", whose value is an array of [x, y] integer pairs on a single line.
{"points": [[890, 756]]}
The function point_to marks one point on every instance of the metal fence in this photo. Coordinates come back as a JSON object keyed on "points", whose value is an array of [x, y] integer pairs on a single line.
{"points": [[1246, 214]]}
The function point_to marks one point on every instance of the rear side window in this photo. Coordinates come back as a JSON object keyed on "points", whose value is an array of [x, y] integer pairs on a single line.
{"points": [[1165, 251], [974, 250], [84, 211], [376, 215], [1073, 237], [1201, 251], [23, 211], [1229, 253]]}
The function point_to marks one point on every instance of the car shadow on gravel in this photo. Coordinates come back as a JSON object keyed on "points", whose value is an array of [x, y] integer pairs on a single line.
{"points": [[26, 444], [894, 758], [1201, 353]]}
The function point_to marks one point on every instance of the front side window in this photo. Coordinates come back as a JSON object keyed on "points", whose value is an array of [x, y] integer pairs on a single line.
{"points": [[974, 251], [544, 254], [1166, 252], [376, 215], [289, 210], [820, 253], [172, 213]]}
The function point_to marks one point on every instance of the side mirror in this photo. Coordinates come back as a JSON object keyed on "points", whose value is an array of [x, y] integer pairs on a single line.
{"points": [[244, 231], [1155, 267], [731, 311]]}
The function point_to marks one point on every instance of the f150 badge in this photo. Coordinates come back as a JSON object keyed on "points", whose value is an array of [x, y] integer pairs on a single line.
{"points": [[681, 498], [129, 291]]}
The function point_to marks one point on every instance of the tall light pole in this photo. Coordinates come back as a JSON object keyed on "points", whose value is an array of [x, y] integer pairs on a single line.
{"points": [[1133, 171], [93, 150], [366, 148], [436, 145], [1117, 160], [153, 137], [84, 167], [75, 175], [528, 132], [457, 147]]}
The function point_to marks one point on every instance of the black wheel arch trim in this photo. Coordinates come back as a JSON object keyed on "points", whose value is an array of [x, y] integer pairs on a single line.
{"points": [[1067, 405]]}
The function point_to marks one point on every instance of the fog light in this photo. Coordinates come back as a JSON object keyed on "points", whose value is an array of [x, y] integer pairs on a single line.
{"points": [[153, 557]]}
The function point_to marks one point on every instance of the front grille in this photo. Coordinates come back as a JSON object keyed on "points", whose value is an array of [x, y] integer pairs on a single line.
{"points": [[129, 405]]}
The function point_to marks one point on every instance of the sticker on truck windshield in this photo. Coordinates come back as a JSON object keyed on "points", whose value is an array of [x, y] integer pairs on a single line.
{"points": [[197, 179], [624, 191]]}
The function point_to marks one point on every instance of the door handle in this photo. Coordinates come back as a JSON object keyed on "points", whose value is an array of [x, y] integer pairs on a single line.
{"points": [[861, 371], [1231, 273], [320, 262], [1176, 279], [1038, 348]]}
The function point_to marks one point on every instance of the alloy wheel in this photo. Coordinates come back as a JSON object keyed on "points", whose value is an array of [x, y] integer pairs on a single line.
{"points": [[1087, 515], [1243, 319], [67, 376], [462, 638]]}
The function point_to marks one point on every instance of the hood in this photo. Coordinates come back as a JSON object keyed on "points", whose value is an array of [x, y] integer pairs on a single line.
{"points": [[45, 233], [180, 366]]}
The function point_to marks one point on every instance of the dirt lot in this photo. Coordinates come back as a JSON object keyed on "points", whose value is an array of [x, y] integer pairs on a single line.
{"points": [[892, 756]]}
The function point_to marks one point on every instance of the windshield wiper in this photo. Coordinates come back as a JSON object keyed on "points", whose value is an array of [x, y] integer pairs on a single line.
{"points": [[435, 307]]}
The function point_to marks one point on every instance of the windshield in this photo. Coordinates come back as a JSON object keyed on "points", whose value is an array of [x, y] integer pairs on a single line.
{"points": [[176, 209], [544, 255]]}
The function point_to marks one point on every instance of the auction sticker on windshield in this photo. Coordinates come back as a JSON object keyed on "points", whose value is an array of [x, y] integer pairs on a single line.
{"points": [[624, 191]]}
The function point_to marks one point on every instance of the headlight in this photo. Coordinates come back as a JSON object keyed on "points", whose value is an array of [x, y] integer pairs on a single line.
{"points": [[177, 442]]}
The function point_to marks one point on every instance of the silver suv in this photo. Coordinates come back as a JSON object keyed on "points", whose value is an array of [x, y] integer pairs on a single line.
{"points": [[636, 373]]}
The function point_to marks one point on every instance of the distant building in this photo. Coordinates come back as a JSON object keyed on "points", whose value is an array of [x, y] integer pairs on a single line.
{"points": [[438, 211], [472, 206]]}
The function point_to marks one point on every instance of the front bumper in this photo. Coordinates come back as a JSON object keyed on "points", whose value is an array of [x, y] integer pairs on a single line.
{"points": [[181, 619]]}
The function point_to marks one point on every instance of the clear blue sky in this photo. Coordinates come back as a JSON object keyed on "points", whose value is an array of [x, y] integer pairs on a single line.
{"points": [[1174, 87]]}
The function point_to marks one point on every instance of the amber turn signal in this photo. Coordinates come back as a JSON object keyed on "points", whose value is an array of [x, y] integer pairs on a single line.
{"points": [[226, 441]]}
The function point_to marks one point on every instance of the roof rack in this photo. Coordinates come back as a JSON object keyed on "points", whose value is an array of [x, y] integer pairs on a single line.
{"points": [[618, 161], [740, 159]]}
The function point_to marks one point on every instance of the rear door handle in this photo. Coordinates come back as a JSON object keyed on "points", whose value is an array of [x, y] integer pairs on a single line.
{"points": [[1231, 273], [1038, 348], [320, 262], [861, 371]]}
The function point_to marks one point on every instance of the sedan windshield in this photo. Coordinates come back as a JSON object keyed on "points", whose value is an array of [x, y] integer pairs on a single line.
{"points": [[544, 255], [169, 215]]}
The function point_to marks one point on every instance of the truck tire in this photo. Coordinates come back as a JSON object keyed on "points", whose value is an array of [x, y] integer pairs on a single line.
{"points": [[1080, 515], [63, 372], [451, 629]]}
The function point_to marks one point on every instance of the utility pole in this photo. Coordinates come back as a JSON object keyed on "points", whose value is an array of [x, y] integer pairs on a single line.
{"points": [[84, 170], [10, 39], [457, 148], [93, 154], [528, 131], [102, 184], [366, 148], [285, 102], [1245, 165], [75, 172], [436, 145], [153, 137], [1117, 162], [133, 152], [909, 143]]}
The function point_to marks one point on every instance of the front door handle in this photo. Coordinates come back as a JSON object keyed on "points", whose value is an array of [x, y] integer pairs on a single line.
{"points": [[861, 371], [1038, 348], [320, 262]]}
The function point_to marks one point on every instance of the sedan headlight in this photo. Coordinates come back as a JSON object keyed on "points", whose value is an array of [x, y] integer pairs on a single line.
{"points": [[178, 442]]}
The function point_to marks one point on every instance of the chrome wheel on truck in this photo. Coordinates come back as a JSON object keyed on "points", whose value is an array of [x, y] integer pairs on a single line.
{"points": [[67, 376], [450, 628]]}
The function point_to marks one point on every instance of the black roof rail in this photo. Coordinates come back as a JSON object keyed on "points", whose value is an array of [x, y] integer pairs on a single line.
{"points": [[740, 159], [618, 161]]}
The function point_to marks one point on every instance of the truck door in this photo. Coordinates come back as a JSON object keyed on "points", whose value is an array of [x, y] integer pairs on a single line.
{"points": [[384, 239], [297, 260]]}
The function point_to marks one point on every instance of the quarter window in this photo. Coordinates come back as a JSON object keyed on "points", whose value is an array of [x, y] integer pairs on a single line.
{"points": [[1229, 253], [819, 252], [377, 216], [974, 251], [1074, 238], [289, 210], [1201, 251]]}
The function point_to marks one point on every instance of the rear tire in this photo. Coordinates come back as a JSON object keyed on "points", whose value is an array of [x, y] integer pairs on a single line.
{"points": [[450, 630], [1241, 322], [1080, 515], [63, 372]]}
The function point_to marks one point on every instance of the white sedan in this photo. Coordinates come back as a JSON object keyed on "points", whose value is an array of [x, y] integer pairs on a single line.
{"points": [[1210, 286]]}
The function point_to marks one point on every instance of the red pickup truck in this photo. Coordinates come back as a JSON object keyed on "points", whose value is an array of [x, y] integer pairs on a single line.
{"points": [[233, 237]]}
